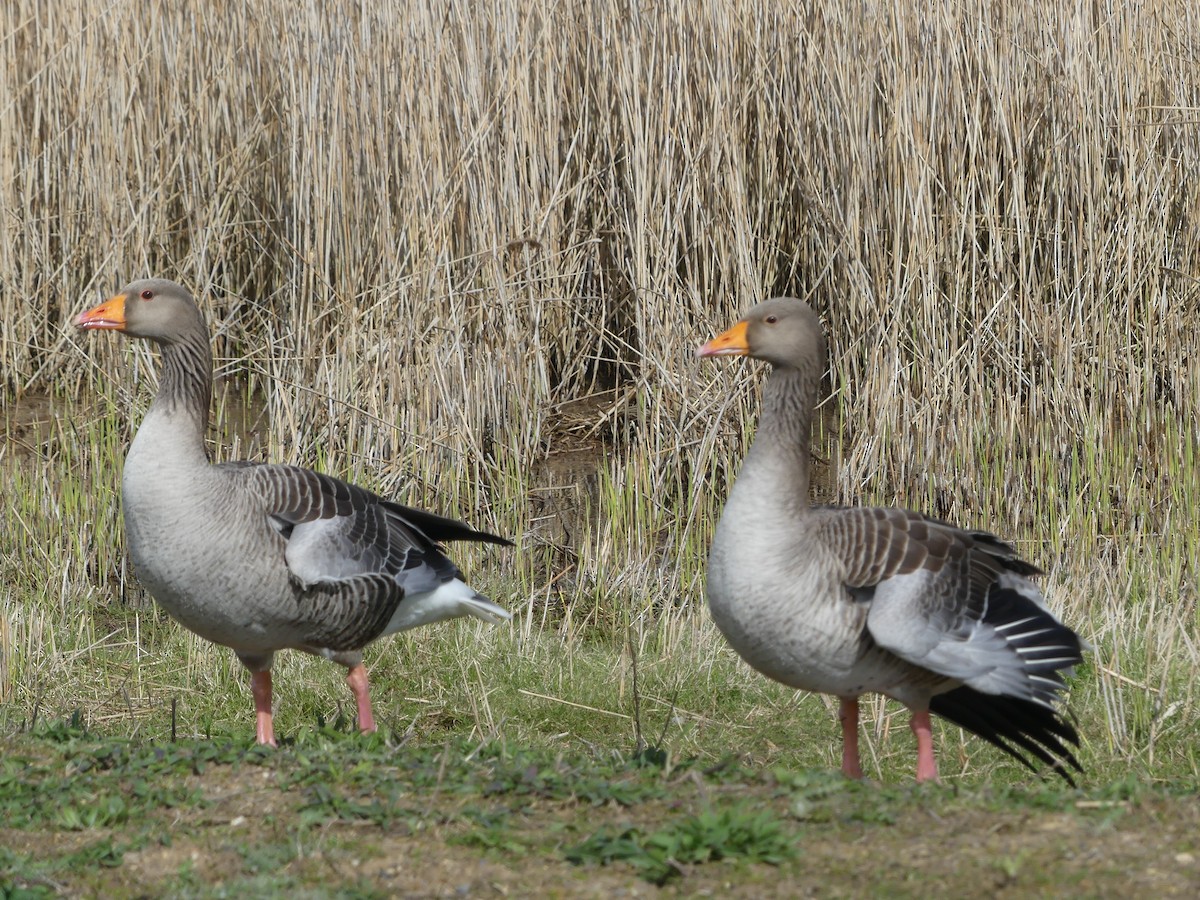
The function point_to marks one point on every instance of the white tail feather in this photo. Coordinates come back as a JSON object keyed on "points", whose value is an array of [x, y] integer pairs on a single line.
{"points": [[448, 601]]}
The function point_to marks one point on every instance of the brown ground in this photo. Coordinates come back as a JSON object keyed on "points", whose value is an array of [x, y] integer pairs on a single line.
{"points": [[938, 846]]}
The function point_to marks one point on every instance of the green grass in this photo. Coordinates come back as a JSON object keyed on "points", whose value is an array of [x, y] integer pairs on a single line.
{"points": [[88, 812]]}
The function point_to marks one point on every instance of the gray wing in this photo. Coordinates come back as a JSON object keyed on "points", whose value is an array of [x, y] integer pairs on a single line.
{"points": [[954, 602], [351, 555]]}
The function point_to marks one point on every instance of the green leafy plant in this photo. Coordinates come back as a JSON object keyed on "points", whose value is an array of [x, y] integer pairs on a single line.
{"points": [[659, 856]]}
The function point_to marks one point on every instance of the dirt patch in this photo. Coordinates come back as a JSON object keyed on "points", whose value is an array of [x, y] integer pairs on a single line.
{"points": [[966, 854], [433, 822], [28, 422]]}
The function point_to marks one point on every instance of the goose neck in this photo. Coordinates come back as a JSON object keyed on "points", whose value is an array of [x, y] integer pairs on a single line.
{"points": [[780, 452], [185, 385]]}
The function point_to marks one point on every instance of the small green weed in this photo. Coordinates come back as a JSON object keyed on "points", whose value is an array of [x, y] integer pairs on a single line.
{"points": [[105, 852], [325, 802], [500, 837], [737, 833], [18, 881], [103, 812]]}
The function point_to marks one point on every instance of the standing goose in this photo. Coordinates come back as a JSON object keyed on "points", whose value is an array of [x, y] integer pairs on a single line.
{"points": [[262, 558], [846, 601]]}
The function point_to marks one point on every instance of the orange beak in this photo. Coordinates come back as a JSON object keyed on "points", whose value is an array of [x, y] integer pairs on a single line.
{"points": [[728, 343], [109, 314]]}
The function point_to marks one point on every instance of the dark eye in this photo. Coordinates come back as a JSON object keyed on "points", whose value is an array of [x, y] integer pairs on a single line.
{"points": [[771, 320], [147, 294]]}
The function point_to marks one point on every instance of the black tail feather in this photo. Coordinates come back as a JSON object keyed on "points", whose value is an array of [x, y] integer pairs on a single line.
{"points": [[1046, 645], [1007, 721], [439, 528]]}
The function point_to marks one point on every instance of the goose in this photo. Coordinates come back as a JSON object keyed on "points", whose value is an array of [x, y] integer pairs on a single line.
{"points": [[852, 600], [261, 558]]}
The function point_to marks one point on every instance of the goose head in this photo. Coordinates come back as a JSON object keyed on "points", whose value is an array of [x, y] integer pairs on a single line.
{"points": [[783, 331], [152, 308]]}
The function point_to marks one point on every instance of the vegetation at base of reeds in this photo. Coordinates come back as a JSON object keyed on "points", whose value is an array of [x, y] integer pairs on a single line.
{"points": [[463, 255]]}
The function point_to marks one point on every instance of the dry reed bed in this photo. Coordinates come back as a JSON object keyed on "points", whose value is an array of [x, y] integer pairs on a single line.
{"points": [[433, 239]]}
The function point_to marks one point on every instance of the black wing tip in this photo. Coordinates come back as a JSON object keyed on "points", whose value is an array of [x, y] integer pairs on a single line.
{"points": [[485, 537], [1005, 554], [1011, 723], [442, 529], [464, 533], [1022, 567]]}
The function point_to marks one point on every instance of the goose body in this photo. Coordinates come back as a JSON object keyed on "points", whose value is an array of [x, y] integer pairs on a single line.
{"points": [[847, 601], [258, 557]]}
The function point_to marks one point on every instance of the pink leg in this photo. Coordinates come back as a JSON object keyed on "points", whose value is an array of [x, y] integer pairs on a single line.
{"points": [[848, 715], [260, 686], [357, 679], [926, 764]]}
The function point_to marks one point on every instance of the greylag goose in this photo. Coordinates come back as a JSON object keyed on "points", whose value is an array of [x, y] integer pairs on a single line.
{"points": [[846, 601], [260, 557]]}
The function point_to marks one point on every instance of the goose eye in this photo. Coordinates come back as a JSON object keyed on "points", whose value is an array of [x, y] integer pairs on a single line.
{"points": [[147, 294], [771, 320]]}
